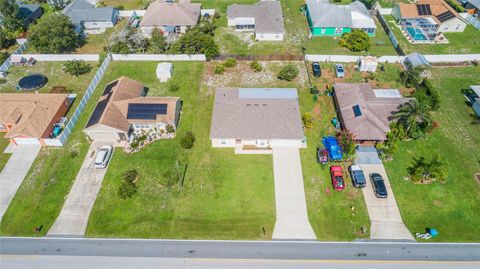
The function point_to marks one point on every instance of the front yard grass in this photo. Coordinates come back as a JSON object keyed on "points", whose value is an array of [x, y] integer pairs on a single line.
{"points": [[224, 196], [453, 207], [3, 145], [56, 77], [459, 43]]}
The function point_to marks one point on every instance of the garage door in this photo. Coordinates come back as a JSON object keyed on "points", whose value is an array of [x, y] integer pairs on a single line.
{"points": [[27, 141], [103, 136], [286, 143]]}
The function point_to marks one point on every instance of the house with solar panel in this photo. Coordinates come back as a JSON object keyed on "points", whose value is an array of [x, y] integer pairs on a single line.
{"points": [[427, 20], [123, 109]]}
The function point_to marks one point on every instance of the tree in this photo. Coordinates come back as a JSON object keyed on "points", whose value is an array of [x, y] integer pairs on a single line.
{"points": [[345, 139], [196, 41], [9, 12], [187, 140], [59, 4], [129, 40], [5, 40], [3, 56], [423, 171], [76, 67], [414, 118], [289, 72], [356, 40], [427, 95], [54, 33], [157, 42], [412, 76]]}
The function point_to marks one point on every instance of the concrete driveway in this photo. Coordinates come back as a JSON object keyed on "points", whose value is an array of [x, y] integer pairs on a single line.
{"points": [[292, 216], [14, 173], [386, 221], [73, 218]]}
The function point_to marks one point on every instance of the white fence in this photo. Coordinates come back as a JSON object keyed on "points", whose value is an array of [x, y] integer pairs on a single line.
{"points": [[452, 58], [62, 57], [472, 20], [331, 58], [7, 64], [86, 97], [128, 13], [159, 57], [385, 11]]}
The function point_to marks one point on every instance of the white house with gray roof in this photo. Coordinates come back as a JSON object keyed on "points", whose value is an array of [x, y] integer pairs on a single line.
{"points": [[264, 18], [250, 119], [90, 19]]}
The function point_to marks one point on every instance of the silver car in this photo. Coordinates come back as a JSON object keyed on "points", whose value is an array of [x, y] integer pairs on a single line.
{"points": [[339, 70], [104, 155]]}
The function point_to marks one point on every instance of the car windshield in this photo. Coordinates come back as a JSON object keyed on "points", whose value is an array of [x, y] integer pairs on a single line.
{"points": [[100, 156], [339, 181], [340, 69]]}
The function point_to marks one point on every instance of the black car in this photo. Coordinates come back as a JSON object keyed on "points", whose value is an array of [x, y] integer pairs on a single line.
{"points": [[378, 185], [317, 71], [358, 178]]}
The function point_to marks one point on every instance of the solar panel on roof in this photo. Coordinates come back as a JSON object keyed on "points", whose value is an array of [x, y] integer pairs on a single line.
{"points": [[356, 111], [146, 111], [445, 16], [424, 10]]}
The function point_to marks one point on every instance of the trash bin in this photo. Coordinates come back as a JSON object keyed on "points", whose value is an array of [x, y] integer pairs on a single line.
{"points": [[432, 231]]}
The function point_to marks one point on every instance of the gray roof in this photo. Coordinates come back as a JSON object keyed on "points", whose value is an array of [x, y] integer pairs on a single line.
{"points": [[325, 14], [475, 3], [80, 11], [160, 13], [364, 114], [268, 15], [236, 115], [417, 59], [25, 11]]}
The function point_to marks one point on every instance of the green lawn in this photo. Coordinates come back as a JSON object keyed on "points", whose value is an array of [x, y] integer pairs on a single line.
{"points": [[380, 45], [459, 43], [392, 3], [3, 145], [225, 196], [453, 208], [56, 77], [126, 4]]}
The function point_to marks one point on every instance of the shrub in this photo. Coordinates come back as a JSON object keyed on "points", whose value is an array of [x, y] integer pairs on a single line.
{"points": [[427, 95], [230, 62], [130, 175], [423, 171], [173, 87], [127, 189], [169, 128], [187, 140], [411, 77], [356, 40], [219, 70], [307, 120], [256, 66], [289, 72], [3, 81], [345, 139], [76, 67]]}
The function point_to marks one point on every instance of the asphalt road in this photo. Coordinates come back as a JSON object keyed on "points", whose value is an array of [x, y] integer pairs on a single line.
{"points": [[244, 250]]}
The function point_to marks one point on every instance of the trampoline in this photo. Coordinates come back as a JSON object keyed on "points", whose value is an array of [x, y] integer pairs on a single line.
{"points": [[32, 82]]}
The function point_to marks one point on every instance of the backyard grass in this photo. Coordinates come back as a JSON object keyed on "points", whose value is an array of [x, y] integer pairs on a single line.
{"points": [[3, 145], [56, 77], [126, 4], [459, 43], [453, 207], [224, 196]]}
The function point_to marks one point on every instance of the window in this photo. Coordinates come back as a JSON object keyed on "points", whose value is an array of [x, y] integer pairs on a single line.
{"points": [[458, 27], [323, 30], [369, 30], [223, 142], [142, 125], [338, 30], [261, 143], [178, 29]]}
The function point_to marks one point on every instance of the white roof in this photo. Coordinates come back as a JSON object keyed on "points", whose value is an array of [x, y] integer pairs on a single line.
{"points": [[387, 93], [360, 20]]}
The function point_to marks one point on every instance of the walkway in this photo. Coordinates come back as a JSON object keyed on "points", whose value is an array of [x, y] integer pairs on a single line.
{"points": [[73, 218], [14, 173], [292, 216], [386, 221]]}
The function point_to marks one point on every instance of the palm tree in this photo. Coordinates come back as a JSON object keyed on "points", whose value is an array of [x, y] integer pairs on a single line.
{"points": [[413, 117]]}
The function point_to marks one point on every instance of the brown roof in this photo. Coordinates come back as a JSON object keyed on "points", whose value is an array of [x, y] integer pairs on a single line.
{"points": [[112, 107], [258, 114], [373, 123], [437, 7], [160, 13], [31, 113]]}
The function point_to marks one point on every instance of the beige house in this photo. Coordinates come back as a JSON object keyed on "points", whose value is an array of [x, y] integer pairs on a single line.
{"points": [[123, 109], [170, 18], [256, 119], [366, 112], [29, 118]]}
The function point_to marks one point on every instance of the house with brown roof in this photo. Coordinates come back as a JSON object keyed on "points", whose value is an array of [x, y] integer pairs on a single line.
{"points": [[256, 119], [123, 109], [170, 18], [426, 19], [29, 118], [366, 112]]}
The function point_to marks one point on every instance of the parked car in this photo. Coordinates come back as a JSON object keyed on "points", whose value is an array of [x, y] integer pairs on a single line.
{"points": [[337, 177], [358, 178], [378, 185], [104, 154], [339, 70], [317, 71]]}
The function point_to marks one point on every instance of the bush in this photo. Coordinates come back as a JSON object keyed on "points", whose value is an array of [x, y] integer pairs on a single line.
{"points": [[411, 77], [187, 140], [173, 87], [219, 70], [356, 40], [289, 72], [230, 62], [76, 67], [307, 120], [256, 66], [169, 128], [3, 81], [157, 43], [101, 58], [427, 95], [128, 187], [423, 171], [196, 41], [3, 57], [130, 175]]}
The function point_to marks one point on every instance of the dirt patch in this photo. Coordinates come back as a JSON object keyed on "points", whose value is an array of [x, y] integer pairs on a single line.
{"points": [[477, 176], [437, 203]]}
